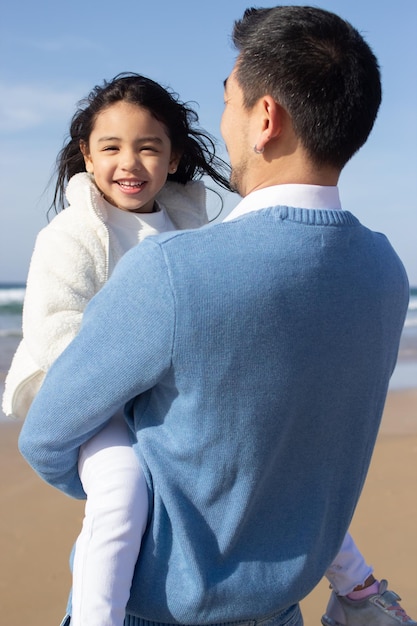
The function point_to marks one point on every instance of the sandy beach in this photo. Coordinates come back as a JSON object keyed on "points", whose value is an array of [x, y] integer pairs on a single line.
{"points": [[38, 525]]}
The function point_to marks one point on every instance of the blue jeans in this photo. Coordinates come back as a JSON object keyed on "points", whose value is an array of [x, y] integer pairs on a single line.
{"points": [[289, 617]]}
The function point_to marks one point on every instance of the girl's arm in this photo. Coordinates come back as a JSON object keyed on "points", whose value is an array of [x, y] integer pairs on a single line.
{"points": [[63, 277]]}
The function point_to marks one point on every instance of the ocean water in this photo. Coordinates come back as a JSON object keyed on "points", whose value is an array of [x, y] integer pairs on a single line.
{"points": [[11, 303]]}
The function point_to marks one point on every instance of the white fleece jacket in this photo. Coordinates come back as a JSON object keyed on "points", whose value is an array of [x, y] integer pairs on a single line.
{"points": [[69, 265]]}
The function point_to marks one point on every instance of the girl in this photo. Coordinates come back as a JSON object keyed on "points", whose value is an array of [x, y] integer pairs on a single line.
{"points": [[131, 164]]}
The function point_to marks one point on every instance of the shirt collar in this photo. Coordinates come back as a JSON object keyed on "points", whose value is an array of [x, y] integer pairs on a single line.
{"points": [[298, 196]]}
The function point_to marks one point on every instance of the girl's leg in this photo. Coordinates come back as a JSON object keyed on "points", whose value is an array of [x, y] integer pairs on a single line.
{"points": [[114, 523], [349, 568]]}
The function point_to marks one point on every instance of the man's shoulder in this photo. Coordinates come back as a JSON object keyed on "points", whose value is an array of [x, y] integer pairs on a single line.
{"points": [[182, 237]]}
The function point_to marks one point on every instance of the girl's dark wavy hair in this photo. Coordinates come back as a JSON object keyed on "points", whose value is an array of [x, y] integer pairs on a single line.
{"points": [[196, 146]]}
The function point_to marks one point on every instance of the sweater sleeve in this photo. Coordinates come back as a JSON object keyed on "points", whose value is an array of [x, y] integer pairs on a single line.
{"points": [[123, 348]]}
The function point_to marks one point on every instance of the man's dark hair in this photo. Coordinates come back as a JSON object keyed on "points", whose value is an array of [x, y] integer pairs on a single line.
{"points": [[319, 68]]}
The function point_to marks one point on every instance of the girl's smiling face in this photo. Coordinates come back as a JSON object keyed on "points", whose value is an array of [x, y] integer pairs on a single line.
{"points": [[129, 153]]}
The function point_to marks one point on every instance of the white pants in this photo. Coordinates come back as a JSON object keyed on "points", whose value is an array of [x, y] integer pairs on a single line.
{"points": [[349, 568], [115, 519]]}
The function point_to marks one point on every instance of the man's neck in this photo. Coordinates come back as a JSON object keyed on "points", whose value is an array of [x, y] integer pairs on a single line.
{"points": [[277, 166], [324, 177]]}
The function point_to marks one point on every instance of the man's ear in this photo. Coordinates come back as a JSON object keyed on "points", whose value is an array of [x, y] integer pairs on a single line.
{"points": [[272, 117], [87, 158]]}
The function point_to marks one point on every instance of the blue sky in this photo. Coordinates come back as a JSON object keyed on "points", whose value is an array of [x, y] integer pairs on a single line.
{"points": [[52, 54]]}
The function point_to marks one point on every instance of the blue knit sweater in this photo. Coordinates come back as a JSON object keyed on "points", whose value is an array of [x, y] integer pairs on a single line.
{"points": [[258, 354]]}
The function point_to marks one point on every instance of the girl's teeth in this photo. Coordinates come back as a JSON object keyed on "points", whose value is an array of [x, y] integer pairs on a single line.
{"points": [[128, 184]]}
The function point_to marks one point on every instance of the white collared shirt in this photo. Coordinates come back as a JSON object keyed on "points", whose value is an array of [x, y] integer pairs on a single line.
{"points": [[298, 196]]}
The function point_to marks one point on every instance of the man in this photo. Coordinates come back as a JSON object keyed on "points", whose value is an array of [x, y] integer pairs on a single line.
{"points": [[254, 355]]}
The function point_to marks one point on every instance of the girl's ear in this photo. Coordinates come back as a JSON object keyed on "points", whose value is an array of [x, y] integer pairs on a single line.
{"points": [[87, 159], [173, 163]]}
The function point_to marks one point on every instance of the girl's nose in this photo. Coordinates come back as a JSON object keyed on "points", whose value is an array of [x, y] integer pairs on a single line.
{"points": [[130, 161]]}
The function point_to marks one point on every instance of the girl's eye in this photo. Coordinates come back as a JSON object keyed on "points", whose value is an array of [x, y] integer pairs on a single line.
{"points": [[109, 148]]}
